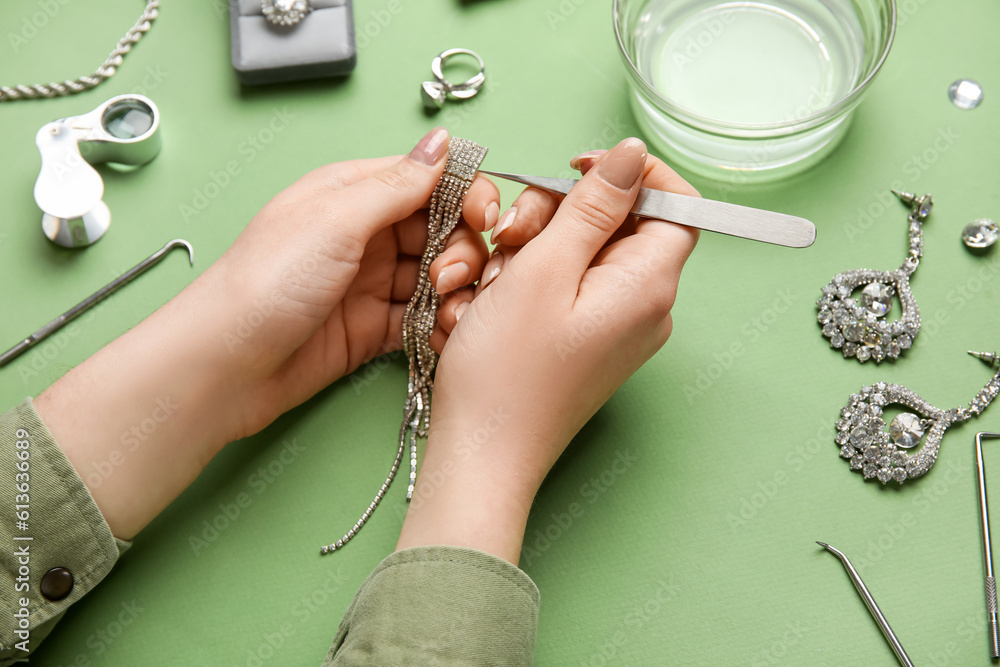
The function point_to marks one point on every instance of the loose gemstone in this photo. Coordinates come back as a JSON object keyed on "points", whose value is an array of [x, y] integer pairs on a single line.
{"points": [[906, 430], [965, 94], [863, 354], [877, 298], [981, 234]]}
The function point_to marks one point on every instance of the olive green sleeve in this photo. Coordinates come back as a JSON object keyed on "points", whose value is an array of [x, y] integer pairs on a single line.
{"points": [[62, 530], [440, 605]]}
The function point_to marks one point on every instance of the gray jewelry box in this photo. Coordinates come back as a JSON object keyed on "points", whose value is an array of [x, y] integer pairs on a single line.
{"points": [[320, 45]]}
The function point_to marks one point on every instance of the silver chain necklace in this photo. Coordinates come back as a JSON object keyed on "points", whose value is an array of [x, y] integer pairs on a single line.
{"points": [[105, 71], [464, 158]]}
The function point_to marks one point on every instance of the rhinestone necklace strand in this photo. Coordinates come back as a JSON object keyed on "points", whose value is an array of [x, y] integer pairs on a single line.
{"points": [[464, 158]]}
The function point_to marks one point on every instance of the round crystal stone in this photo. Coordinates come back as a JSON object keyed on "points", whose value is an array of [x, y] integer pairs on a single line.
{"points": [[877, 298], [861, 436], [906, 430], [981, 234], [965, 94]]}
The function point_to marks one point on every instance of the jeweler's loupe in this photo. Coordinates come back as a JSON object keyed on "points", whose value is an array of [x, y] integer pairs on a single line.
{"points": [[69, 190]]}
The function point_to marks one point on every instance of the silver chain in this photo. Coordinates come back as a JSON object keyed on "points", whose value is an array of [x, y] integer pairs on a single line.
{"points": [[464, 158], [105, 71]]}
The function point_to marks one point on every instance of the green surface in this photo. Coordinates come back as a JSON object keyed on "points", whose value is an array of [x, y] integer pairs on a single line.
{"points": [[660, 568]]}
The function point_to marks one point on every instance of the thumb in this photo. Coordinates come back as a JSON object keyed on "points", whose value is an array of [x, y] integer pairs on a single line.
{"points": [[396, 192]]}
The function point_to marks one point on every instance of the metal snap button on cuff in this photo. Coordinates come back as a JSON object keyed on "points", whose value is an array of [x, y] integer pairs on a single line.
{"points": [[56, 584]]}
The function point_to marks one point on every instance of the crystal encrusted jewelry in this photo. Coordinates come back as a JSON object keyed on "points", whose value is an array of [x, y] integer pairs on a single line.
{"points": [[858, 326], [464, 158], [875, 452]]}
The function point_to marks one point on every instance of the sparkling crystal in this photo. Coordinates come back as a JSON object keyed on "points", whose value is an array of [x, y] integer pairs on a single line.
{"points": [[861, 436], [878, 354], [847, 451], [863, 354], [878, 399], [829, 330], [829, 290], [870, 338], [899, 459], [857, 462], [880, 386], [850, 349], [904, 342], [840, 317], [899, 474], [842, 438], [884, 461], [911, 328], [981, 234], [837, 340], [869, 470], [906, 430], [825, 316], [965, 94], [896, 328], [871, 454], [884, 475], [877, 298]]}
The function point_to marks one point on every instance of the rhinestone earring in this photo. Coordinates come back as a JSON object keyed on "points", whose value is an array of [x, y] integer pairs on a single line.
{"points": [[875, 452], [858, 327]]}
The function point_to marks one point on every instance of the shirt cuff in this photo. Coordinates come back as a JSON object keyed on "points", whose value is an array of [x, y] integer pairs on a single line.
{"points": [[440, 605], [71, 547]]}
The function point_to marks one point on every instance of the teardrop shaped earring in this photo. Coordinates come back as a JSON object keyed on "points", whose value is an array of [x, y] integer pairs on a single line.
{"points": [[858, 327], [875, 452]]}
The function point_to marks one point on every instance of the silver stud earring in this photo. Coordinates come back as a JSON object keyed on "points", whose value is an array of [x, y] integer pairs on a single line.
{"points": [[875, 452], [858, 327]]}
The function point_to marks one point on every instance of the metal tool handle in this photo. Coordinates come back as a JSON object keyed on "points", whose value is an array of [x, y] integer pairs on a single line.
{"points": [[991, 611]]}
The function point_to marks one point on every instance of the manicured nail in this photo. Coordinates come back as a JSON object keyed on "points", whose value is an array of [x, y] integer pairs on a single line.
{"points": [[452, 277], [492, 270], [491, 215], [575, 162], [431, 148], [507, 221], [624, 163], [460, 310]]}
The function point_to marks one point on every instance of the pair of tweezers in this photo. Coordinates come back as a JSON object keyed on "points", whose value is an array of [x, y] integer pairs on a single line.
{"points": [[713, 216]]}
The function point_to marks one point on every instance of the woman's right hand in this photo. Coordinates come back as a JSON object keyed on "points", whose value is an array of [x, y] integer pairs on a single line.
{"points": [[575, 299]]}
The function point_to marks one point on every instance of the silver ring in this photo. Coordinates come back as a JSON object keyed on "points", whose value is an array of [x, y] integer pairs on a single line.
{"points": [[436, 92], [285, 13]]}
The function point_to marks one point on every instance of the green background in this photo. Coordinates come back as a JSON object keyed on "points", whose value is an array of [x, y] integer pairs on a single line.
{"points": [[701, 552]]}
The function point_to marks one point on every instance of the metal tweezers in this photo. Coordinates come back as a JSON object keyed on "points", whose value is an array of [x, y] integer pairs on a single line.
{"points": [[714, 216]]}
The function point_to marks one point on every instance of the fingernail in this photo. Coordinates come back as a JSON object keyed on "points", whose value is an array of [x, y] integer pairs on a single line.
{"points": [[452, 277], [431, 148], [492, 213], [575, 162], [492, 269], [460, 310], [623, 164], [507, 221]]}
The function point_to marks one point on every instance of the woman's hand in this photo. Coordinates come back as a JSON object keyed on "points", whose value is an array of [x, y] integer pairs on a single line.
{"points": [[313, 287], [575, 298]]}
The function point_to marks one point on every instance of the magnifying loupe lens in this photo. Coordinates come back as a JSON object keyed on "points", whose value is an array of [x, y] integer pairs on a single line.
{"points": [[128, 119]]}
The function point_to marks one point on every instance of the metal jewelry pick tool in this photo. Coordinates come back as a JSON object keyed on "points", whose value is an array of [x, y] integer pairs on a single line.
{"points": [[713, 216]]}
